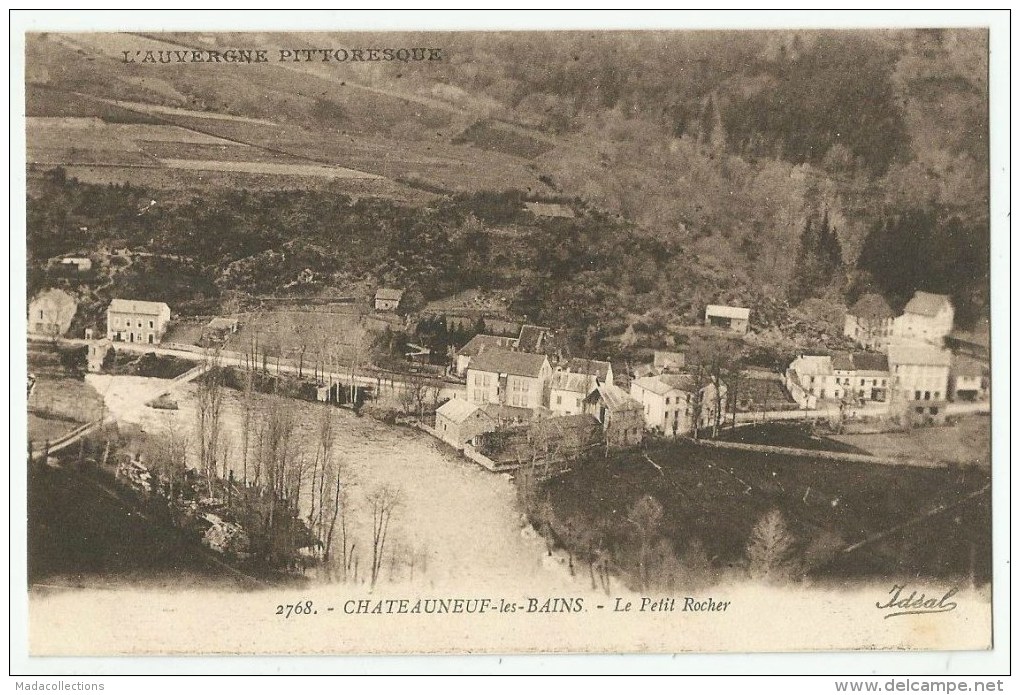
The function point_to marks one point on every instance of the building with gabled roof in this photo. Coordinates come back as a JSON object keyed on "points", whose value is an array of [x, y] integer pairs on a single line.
{"points": [[926, 318], [968, 378], [477, 345], [919, 372], [517, 379], [567, 391], [388, 298], [602, 371], [674, 403], [736, 319], [459, 422], [137, 321], [50, 313], [621, 416], [869, 321]]}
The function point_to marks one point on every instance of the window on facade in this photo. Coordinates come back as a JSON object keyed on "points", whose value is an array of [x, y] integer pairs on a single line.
{"points": [[559, 400], [917, 395], [40, 313], [927, 395], [151, 325], [667, 400], [936, 395]]}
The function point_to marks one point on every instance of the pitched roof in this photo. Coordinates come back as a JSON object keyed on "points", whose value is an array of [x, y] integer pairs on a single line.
{"points": [[843, 362], [871, 307], [482, 342], [459, 410], [389, 294], [906, 353], [597, 368], [729, 312], [664, 383], [814, 365], [506, 362], [968, 366], [614, 397], [531, 337], [137, 306], [567, 381], [927, 304], [870, 362]]}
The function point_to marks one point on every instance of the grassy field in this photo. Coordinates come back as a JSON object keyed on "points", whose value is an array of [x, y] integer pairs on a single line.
{"points": [[286, 333], [967, 442], [713, 498]]}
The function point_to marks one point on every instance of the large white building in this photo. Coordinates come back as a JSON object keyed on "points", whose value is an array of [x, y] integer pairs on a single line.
{"points": [[858, 377], [136, 321], [919, 372], [869, 322], [517, 379], [927, 318]]}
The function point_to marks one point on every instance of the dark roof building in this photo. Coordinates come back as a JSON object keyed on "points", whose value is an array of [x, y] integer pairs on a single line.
{"points": [[507, 362], [872, 307]]}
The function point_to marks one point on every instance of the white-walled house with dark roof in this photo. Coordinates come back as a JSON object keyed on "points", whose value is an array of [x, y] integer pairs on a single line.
{"points": [[137, 321]]}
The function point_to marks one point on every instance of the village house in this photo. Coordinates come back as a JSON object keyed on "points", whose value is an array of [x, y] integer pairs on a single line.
{"points": [[516, 379], [567, 392], [622, 418], [50, 313], [136, 321], [601, 372], [730, 318], [858, 377], [919, 372], [477, 345], [861, 377], [459, 422], [926, 318], [219, 328], [869, 322], [388, 299], [968, 379], [672, 403]]}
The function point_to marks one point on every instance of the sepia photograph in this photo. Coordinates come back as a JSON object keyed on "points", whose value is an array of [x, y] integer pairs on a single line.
{"points": [[578, 341]]}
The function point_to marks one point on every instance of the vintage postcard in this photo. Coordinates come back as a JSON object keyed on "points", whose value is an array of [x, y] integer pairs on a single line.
{"points": [[474, 342]]}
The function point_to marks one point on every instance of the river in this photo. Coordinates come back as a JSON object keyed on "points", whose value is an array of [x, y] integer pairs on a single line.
{"points": [[458, 522]]}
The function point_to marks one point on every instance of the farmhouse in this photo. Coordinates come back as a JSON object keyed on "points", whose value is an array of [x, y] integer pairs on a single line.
{"points": [[516, 379], [621, 416], [731, 318], [50, 313], [136, 321], [869, 322], [388, 299], [927, 318], [476, 346], [459, 422]]}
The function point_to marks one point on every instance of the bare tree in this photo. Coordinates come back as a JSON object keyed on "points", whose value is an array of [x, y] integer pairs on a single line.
{"points": [[770, 550], [208, 411], [383, 502]]}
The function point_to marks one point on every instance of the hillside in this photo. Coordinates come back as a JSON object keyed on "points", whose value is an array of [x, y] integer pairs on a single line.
{"points": [[716, 149]]}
